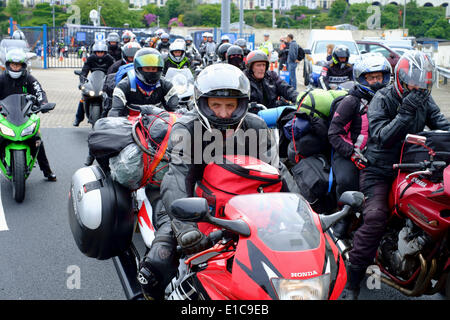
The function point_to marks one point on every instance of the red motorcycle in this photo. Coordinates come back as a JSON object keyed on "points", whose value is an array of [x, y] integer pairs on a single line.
{"points": [[265, 246], [413, 255]]}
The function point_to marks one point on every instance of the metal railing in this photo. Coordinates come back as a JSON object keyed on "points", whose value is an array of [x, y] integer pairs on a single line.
{"points": [[444, 73]]}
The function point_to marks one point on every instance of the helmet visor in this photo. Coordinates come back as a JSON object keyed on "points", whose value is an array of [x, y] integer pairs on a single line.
{"points": [[417, 71], [222, 80], [149, 60]]}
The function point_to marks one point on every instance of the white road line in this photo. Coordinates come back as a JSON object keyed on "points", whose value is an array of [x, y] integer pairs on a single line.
{"points": [[3, 225]]}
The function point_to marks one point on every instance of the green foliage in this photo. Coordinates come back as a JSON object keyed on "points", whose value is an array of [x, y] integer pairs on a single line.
{"points": [[337, 9]]}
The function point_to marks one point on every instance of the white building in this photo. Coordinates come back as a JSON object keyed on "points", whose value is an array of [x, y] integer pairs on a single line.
{"points": [[143, 3], [279, 4], [420, 3], [32, 3]]}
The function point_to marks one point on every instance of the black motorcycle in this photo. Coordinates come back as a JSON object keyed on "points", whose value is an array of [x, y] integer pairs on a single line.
{"points": [[93, 95]]}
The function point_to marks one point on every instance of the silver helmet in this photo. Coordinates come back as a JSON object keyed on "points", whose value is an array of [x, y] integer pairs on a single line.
{"points": [[371, 64]]}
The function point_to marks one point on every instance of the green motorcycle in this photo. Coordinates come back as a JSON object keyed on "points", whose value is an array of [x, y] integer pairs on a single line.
{"points": [[19, 140]]}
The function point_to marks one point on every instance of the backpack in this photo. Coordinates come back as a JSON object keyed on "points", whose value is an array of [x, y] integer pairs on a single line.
{"points": [[237, 175], [314, 178], [300, 54]]}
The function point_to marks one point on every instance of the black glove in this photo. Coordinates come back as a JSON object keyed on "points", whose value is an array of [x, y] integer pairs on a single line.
{"points": [[189, 237], [412, 101]]}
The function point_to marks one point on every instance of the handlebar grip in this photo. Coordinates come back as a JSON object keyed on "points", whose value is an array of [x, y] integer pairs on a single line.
{"points": [[414, 166]]}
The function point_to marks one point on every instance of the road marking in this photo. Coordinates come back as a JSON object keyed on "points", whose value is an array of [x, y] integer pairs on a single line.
{"points": [[3, 225]]}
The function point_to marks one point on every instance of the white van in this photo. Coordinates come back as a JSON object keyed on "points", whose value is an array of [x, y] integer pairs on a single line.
{"points": [[317, 48]]}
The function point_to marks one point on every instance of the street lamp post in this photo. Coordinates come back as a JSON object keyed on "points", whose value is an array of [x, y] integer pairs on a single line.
{"points": [[310, 22], [404, 18]]}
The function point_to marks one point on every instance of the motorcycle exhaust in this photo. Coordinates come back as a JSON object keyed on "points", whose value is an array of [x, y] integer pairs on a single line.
{"points": [[126, 268]]}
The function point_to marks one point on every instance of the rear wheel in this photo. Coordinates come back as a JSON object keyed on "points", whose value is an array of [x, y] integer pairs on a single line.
{"points": [[18, 174]]}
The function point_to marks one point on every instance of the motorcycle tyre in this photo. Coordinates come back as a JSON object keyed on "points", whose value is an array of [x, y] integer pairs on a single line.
{"points": [[18, 175], [95, 114]]}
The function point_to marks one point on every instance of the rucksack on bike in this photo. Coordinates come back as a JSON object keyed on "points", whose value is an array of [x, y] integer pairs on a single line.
{"points": [[237, 175], [317, 102]]}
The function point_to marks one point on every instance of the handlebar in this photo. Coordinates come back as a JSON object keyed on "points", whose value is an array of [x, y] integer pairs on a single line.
{"points": [[213, 238], [414, 166]]}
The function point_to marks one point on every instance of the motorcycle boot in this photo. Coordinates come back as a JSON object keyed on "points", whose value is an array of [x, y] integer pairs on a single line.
{"points": [[89, 160], [355, 274], [43, 162]]}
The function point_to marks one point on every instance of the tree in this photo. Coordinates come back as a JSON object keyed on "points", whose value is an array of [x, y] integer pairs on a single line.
{"points": [[14, 9], [337, 9]]}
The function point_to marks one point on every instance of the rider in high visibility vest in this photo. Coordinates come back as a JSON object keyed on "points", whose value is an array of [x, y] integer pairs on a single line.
{"points": [[267, 45], [177, 57]]}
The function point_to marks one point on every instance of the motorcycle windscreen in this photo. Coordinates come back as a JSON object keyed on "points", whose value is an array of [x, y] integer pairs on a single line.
{"points": [[96, 80], [12, 108], [182, 80], [284, 221]]}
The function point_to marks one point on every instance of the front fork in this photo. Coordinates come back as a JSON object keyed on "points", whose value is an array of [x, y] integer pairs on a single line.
{"points": [[5, 165]]}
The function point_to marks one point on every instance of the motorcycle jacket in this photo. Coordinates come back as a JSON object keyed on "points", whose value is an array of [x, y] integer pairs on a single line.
{"points": [[169, 63], [188, 142], [334, 74], [24, 85], [94, 63], [115, 66], [349, 127], [129, 92], [116, 53], [267, 90], [388, 128], [163, 45]]}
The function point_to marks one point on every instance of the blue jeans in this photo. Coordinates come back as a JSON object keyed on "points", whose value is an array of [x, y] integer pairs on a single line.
{"points": [[292, 66]]}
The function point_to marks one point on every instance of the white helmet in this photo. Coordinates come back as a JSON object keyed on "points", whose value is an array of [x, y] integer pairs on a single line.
{"points": [[177, 46]]}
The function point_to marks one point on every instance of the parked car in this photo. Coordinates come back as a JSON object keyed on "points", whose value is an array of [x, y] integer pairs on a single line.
{"points": [[316, 50], [376, 47]]}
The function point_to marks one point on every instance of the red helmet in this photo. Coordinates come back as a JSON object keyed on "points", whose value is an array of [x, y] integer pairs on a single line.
{"points": [[257, 56], [415, 68]]}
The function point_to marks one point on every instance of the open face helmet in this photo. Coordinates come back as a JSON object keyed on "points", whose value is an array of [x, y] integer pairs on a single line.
{"points": [[414, 68], [257, 56], [148, 57], [235, 56], [371, 64], [113, 37], [221, 81]]}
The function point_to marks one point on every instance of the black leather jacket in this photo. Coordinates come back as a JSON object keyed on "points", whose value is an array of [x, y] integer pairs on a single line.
{"points": [[267, 90], [123, 96], [388, 128], [24, 85], [94, 63], [187, 164]]}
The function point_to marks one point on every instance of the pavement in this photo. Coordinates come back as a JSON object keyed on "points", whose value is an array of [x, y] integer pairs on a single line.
{"points": [[61, 85]]}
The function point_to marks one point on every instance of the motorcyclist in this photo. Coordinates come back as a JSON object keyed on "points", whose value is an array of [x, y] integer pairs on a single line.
{"points": [[114, 50], [128, 52], [235, 56], [404, 107], [222, 96], [99, 60], [127, 36], [338, 70], [349, 131], [191, 50], [266, 86], [177, 57], [243, 44], [222, 52], [144, 86], [17, 80], [223, 39], [164, 42]]}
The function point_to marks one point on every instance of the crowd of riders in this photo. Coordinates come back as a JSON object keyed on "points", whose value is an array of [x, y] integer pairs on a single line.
{"points": [[364, 132]]}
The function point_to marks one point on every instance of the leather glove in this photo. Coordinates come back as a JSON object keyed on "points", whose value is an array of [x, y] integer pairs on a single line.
{"points": [[358, 159], [189, 237], [412, 101]]}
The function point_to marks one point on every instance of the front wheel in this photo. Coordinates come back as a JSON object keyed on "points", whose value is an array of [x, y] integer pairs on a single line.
{"points": [[95, 113], [18, 174]]}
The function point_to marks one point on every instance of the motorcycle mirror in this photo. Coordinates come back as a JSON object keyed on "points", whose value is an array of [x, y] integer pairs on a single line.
{"points": [[77, 72], [354, 199], [197, 210], [416, 139], [189, 209], [326, 221], [47, 107]]}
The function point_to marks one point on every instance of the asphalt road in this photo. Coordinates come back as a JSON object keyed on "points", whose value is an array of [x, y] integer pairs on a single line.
{"points": [[39, 259]]}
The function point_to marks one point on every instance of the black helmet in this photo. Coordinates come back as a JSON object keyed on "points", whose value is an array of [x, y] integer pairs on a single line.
{"points": [[241, 43], [257, 56], [221, 81], [235, 56], [148, 57], [340, 51], [222, 51]]}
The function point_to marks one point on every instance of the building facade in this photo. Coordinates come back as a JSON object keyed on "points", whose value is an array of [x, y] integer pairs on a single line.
{"points": [[420, 3]]}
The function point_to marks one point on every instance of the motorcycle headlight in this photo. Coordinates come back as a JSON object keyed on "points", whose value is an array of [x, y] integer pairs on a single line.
{"points": [[28, 130], [7, 131], [100, 93], [309, 289], [83, 87], [91, 93]]}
